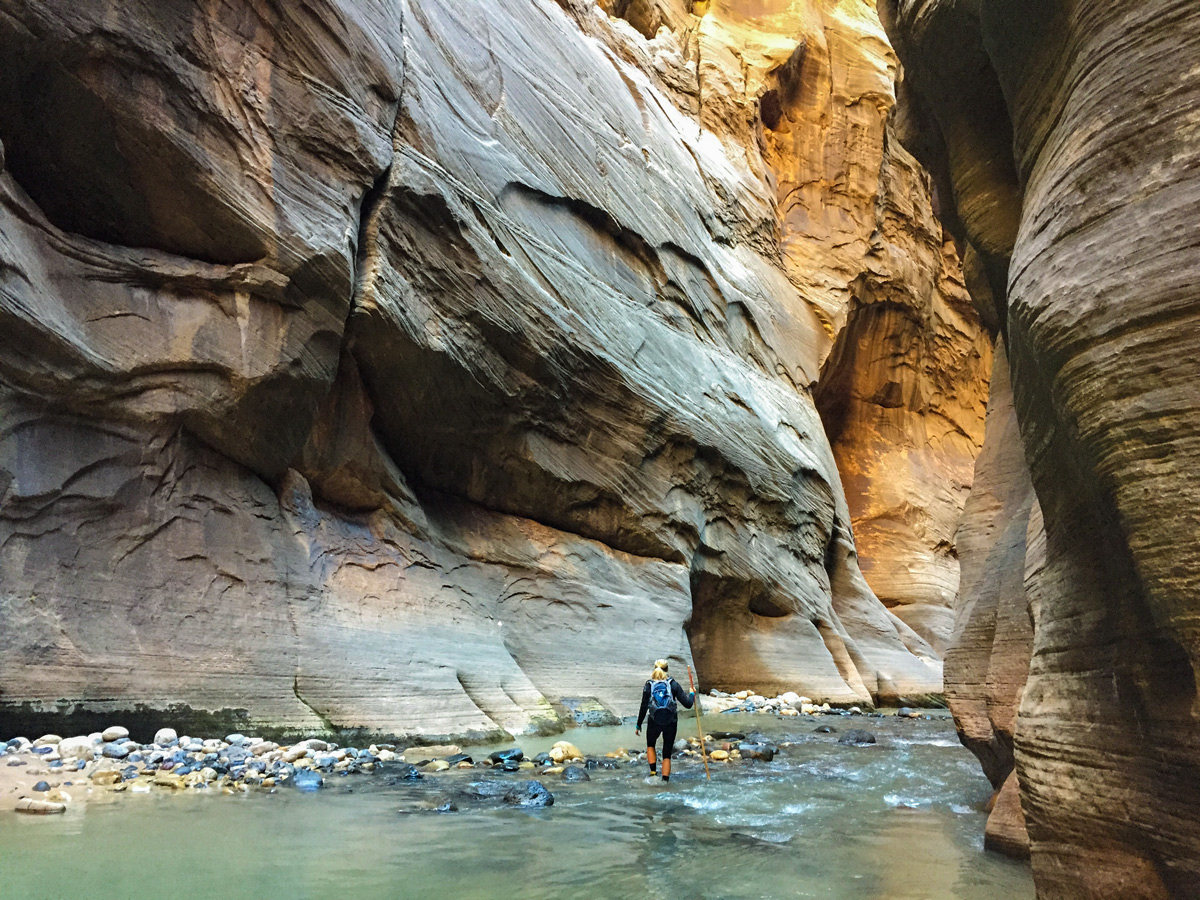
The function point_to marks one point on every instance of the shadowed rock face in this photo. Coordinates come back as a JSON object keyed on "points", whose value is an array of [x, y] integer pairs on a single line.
{"points": [[411, 366], [1066, 131], [988, 658]]}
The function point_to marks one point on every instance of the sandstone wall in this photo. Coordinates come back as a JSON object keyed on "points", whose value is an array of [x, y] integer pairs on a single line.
{"points": [[988, 658], [413, 366], [1067, 134]]}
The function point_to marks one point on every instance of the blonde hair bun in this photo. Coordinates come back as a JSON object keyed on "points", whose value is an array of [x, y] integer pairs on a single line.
{"points": [[660, 664]]}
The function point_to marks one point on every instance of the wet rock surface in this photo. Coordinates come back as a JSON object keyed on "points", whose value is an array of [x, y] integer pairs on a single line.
{"points": [[857, 736], [1057, 138]]}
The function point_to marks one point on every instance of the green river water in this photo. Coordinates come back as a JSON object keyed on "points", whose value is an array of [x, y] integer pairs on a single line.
{"points": [[901, 820]]}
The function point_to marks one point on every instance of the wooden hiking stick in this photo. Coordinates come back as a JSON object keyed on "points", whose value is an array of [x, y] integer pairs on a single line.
{"points": [[699, 727]]}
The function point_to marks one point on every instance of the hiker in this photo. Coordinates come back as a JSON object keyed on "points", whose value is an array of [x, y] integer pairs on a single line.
{"points": [[659, 696]]}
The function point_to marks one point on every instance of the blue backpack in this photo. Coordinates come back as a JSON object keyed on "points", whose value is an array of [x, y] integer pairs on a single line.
{"points": [[662, 704]]}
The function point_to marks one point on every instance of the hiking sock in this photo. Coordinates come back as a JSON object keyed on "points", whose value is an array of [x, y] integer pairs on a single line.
{"points": [[653, 771], [666, 778]]}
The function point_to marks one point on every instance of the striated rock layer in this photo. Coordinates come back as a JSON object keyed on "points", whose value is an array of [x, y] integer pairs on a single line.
{"points": [[1066, 136], [414, 366], [988, 658]]}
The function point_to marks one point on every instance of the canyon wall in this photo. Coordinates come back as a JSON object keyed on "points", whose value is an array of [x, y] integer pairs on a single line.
{"points": [[417, 367], [1063, 139]]}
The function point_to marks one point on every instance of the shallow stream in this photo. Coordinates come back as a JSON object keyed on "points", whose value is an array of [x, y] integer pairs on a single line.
{"points": [[900, 820]]}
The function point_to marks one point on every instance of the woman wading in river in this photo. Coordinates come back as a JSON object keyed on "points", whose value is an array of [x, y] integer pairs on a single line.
{"points": [[659, 697]]}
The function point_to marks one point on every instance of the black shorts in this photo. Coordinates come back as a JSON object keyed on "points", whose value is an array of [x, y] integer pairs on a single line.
{"points": [[653, 730]]}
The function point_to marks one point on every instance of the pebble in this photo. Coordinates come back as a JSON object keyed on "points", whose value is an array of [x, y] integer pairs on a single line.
{"points": [[569, 750], [165, 737], [33, 806], [42, 787], [237, 762], [513, 753]]}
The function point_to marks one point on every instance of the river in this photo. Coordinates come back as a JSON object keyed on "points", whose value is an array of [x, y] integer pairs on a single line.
{"points": [[900, 820]]}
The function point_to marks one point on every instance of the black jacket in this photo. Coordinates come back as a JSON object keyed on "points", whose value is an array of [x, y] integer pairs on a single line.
{"points": [[670, 714]]}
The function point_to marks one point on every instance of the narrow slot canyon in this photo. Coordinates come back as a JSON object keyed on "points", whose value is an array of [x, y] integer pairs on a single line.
{"points": [[416, 373]]}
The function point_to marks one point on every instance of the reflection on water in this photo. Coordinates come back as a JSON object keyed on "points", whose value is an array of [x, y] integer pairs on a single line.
{"points": [[902, 820]]}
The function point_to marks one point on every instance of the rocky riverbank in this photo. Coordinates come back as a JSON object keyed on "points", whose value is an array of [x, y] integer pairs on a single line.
{"points": [[45, 775]]}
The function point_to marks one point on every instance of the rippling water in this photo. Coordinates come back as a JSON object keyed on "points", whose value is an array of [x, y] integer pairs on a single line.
{"points": [[902, 820]]}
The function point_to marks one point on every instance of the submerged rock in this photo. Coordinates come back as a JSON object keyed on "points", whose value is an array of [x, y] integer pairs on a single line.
{"points": [[529, 794], [33, 806], [307, 780], [857, 736], [764, 752], [573, 774]]}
